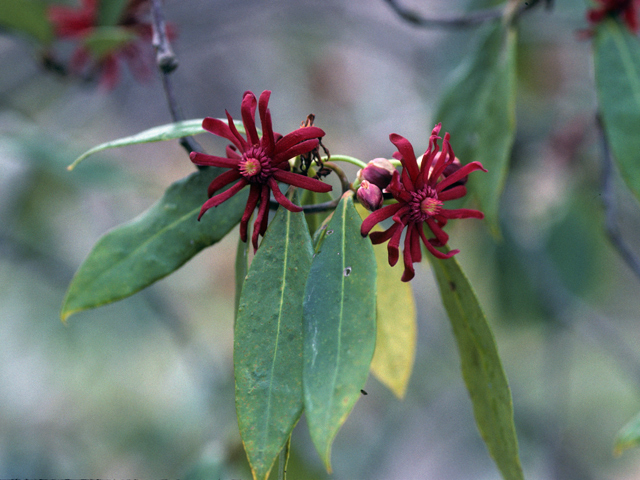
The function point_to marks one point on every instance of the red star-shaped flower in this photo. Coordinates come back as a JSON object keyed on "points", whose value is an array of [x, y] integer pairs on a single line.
{"points": [[420, 191], [83, 22], [627, 9], [258, 162]]}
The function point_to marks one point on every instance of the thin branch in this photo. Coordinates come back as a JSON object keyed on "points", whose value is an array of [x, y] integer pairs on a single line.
{"points": [[167, 63], [467, 20], [608, 202]]}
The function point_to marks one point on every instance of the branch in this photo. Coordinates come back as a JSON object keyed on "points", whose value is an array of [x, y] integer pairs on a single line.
{"points": [[167, 63], [608, 202], [462, 21]]}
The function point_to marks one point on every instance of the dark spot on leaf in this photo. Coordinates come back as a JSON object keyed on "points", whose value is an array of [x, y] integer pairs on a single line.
{"points": [[363, 392], [329, 232], [453, 286], [347, 271]]}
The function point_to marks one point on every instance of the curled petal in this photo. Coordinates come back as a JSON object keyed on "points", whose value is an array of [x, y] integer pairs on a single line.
{"points": [[232, 152], [408, 159], [459, 175], [268, 138], [223, 180], [378, 216], [299, 149], [416, 251], [212, 161], [460, 213], [453, 193], [252, 201], [432, 249], [381, 237], [221, 129], [248, 110], [394, 243], [302, 181], [397, 188], [441, 236], [260, 225], [280, 198], [297, 136], [222, 197], [409, 272]]}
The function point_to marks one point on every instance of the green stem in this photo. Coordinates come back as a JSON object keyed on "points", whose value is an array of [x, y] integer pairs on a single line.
{"points": [[347, 159]]}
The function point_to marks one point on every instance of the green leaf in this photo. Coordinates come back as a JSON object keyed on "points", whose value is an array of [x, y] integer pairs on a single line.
{"points": [[339, 324], [396, 327], [134, 255], [162, 133], [267, 350], [241, 269], [27, 16], [481, 367], [314, 220], [479, 111], [110, 12], [617, 72], [628, 436], [104, 40]]}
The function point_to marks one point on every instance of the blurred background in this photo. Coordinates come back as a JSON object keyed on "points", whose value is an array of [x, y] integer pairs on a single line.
{"points": [[143, 388]]}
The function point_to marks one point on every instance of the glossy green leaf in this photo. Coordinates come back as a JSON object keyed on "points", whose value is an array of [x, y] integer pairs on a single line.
{"points": [[134, 255], [479, 111], [396, 326], [110, 12], [617, 71], [481, 367], [171, 131], [104, 40], [339, 325], [26, 16], [267, 351], [628, 437], [241, 268]]}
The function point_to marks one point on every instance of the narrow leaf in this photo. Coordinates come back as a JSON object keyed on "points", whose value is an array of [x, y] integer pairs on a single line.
{"points": [[479, 112], [481, 367], [171, 131], [339, 325], [134, 255], [628, 437], [268, 341], [617, 71], [396, 327]]}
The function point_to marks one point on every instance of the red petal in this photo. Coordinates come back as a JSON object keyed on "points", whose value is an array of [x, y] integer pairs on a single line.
{"points": [[301, 181], [392, 246], [222, 197], [460, 213], [260, 225], [408, 156], [221, 129], [222, 180], [409, 272], [297, 136], [459, 174], [458, 191], [381, 237], [378, 216], [416, 251], [441, 235], [252, 201], [212, 161], [280, 198], [248, 110], [298, 149]]}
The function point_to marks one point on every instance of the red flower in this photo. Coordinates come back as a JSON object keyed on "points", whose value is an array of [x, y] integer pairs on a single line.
{"points": [[420, 192], [83, 22], [628, 9], [258, 162]]}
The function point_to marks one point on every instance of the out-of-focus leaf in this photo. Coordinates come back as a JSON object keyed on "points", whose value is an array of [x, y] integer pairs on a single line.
{"points": [[479, 112], [267, 351], [396, 327], [134, 255], [170, 131], [339, 325], [617, 71], [481, 367], [104, 40], [26, 16], [628, 437], [110, 12]]}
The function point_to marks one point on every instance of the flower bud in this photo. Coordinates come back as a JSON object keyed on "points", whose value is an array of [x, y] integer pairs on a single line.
{"points": [[370, 196], [452, 168], [378, 172]]}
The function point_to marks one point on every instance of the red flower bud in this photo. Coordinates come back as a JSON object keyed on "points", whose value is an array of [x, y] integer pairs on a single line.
{"points": [[378, 171], [370, 196]]}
